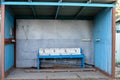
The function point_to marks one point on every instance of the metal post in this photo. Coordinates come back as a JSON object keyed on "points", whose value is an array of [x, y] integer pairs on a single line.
{"points": [[2, 40]]}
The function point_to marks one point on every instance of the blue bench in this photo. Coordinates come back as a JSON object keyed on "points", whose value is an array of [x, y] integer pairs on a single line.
{"points": [[46, 54]]}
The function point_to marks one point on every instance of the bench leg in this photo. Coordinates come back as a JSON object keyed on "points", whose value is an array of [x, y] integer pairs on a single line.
{"points": [[82, 63], [38, 67]]}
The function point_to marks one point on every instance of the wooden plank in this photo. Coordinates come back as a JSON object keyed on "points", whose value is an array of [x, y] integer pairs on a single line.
{"points": [[9, 41], [61, 70], [2, 38], [113, 41]]}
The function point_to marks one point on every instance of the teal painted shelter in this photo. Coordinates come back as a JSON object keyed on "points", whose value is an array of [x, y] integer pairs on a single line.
{"points": [[88, 24]]}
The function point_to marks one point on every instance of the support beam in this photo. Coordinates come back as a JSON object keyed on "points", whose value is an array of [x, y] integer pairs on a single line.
{"points": [[82, 9], [2, 38], [59, 4], [57, 12], [113, 41], [33, 10], [52, 17], [15, 43]]}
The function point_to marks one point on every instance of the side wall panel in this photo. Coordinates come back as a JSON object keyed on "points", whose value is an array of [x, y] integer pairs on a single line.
{"points": [[9, 48], [103, 40], [0, 50]]}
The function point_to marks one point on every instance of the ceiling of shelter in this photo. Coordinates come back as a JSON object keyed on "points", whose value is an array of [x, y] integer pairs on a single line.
{"points": [[46, 12], [50, 12]]}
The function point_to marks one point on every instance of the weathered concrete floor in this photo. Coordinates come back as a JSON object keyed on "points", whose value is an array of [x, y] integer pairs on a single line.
{"points": [[56, 74]]}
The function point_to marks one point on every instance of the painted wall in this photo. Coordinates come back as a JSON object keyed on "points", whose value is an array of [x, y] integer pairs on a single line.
{"points": [[103, 47], [9, 56], [118, 42], [117, 48], [0, 51], [34, 34], [9, 48]]}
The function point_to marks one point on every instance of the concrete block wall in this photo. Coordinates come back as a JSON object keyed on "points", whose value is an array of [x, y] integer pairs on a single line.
{"points": [[34, 34]]}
